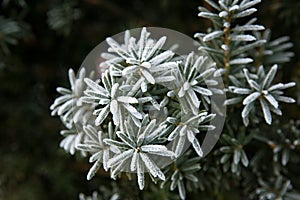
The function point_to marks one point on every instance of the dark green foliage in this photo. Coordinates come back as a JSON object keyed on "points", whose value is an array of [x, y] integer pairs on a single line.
{"points": [[61, 17]]}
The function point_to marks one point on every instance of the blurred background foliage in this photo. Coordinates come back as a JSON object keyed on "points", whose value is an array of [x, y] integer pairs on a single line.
{"points": [[40, 40]]}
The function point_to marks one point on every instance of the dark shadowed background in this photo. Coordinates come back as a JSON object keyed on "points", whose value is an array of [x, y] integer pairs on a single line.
{"points": [[40, 40]]}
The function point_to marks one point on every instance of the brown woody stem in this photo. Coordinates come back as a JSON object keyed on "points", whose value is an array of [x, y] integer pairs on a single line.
{"points": [[227, 31]]}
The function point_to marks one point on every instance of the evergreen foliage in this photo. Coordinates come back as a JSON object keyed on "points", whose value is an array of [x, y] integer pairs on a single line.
{"points": [[146, 97], [138, 68]]}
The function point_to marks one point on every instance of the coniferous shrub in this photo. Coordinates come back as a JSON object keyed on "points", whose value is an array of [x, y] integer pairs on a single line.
{"points": [[148, 96]]}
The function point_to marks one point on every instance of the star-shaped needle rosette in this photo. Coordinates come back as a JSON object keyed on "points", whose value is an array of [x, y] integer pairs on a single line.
{"points": [[187, 128], [145, 60], [182, 173], [110, 99], [69, 105], [260, 89], [137, 145], [94, 145], [72, 111], [196, 77]]}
